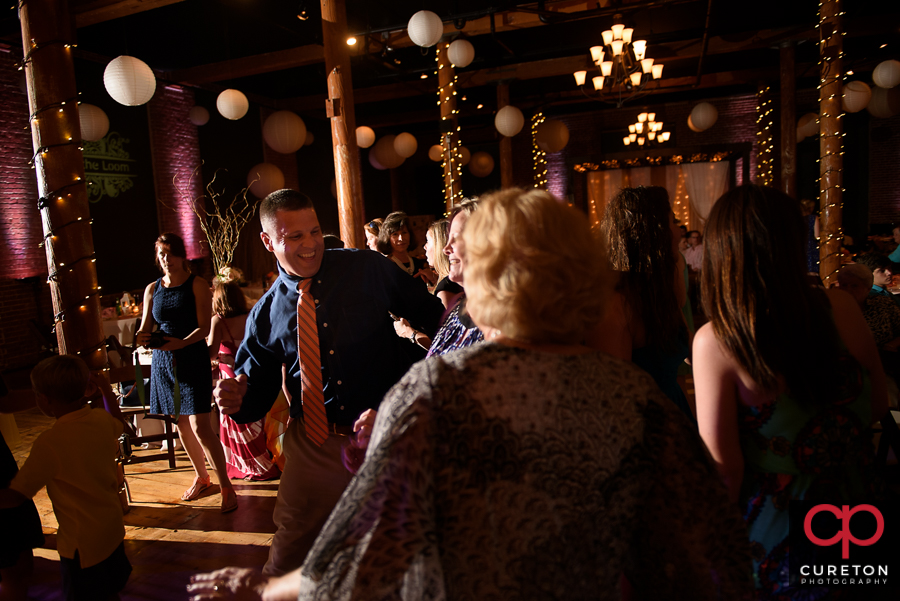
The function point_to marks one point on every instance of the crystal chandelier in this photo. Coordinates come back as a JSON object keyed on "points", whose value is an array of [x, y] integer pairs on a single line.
{"points": [[623, 66], [646, 132]]}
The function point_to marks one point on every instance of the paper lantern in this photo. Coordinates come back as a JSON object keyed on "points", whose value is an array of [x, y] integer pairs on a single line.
{"points": [[436, 153], [373, 160], [405, 145], [509, 121], [365, 136], [856, 96], [232, 104], [887, 74], [94, 122], [704, 116], [464, 156], [284, 132], [198, 115], [269, 178], [310, 138], [425, 28], [552, 135], [692, 126], [482, 164], [461, 53], [129, 80], [808, 125], [885, 103], [385, 153]]}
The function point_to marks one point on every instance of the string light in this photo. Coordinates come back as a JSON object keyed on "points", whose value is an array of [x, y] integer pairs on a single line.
{"points": [[450, 142], [539, 157], [764, 128]]}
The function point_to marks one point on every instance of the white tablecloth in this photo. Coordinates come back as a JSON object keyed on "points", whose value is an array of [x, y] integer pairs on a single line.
{"points": [[122, 328]]}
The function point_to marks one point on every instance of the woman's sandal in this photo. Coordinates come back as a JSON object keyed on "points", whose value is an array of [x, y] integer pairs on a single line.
{"points": [[196, 488], [229, 500]]}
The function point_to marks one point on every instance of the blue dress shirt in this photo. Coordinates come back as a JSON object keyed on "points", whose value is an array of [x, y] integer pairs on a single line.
{"points": [[362, 356]]}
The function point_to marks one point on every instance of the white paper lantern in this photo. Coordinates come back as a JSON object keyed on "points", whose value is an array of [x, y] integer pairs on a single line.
{"points": [[94, 122], [885, 103], [269, 178], [436, 153], [808, 125], [129, 80], [284, 132], [405, 145], [692, 126], [856, 96], [509, 121], [552, 135], [482, 164], [425, 28], [198, 115], [365, 136], [373, 160], [461, 53], [232, 104], [887, 74], [704, 116], [464, 156], [310, 138], [385, 153]]}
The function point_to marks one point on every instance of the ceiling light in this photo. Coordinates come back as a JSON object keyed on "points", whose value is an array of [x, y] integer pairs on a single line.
{"points": [[423, 76], [480, 106], [351, 41]]}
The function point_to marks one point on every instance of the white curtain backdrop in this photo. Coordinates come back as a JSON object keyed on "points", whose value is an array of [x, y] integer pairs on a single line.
{"points": [[705, 183]]}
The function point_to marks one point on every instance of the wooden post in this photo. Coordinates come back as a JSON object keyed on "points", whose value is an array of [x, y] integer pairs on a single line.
{"points": [[788, 155], [59, 167], [830, 132], [340, 109], [506, 160], [449, 127]]}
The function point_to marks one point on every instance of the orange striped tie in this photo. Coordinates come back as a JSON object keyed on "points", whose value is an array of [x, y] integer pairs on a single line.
{"points": [[310, 366]]}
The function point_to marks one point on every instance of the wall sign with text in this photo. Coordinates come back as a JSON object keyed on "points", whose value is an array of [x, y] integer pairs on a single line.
{"points": [[108, 167]]}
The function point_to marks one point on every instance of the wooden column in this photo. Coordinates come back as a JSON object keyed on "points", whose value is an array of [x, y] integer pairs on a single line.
{"points": [[449, 127], [830, 132], [59, 167], [351, 208], [787, 157], [506, 160]]}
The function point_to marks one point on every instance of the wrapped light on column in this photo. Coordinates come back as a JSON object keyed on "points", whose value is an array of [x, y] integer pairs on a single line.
{"points": [[509, 121], [198, 115], [94, 122], [284, 132], [268, 179], [365, 136], [232, 104], [887, 74], [129, 80], [856, 96], [425, 28], [461, 52]]}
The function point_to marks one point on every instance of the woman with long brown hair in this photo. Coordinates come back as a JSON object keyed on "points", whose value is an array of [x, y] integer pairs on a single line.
{"points": [[787, 376]]}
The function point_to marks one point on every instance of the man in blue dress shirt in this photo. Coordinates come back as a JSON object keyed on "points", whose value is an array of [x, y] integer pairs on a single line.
{"points": [[355, 291], [882, 274]]}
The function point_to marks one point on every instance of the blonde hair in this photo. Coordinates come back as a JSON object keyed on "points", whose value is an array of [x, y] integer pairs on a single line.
{"points": [[438, 231], [63, 378], [532, 268]]}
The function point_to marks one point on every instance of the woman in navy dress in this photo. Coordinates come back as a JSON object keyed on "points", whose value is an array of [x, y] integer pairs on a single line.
{"points": [[182, 306]]}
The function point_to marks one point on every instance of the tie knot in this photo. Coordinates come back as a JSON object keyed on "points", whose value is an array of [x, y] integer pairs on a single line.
{"points": [[304, 285]]}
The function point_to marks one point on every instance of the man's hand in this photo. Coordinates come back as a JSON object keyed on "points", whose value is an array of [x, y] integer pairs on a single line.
{"points": [[229, 394]]}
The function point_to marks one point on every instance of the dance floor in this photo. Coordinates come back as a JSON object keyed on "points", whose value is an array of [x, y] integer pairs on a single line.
{"points": [[166, 539]]}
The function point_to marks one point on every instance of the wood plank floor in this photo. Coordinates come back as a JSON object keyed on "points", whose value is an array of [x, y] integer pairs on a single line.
{"points": [[166, 539]]}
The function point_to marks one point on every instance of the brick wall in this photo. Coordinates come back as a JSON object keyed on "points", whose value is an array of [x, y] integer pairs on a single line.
{"points": [[884, 158], [176, 153], [22, 301]]}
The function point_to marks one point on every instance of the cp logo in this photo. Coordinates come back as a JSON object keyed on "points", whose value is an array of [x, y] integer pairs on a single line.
{"points": [[844, 514]]}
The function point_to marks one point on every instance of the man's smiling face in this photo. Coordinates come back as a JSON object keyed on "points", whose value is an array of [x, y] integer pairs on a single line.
{"points": [[295, 238]]}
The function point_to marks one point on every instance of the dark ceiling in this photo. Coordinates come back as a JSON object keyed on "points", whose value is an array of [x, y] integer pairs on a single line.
{"points": [[709, 47]]}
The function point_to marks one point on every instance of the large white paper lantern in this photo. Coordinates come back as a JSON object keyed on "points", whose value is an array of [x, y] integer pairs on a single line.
{"points": [[94, 122], [482, 164], [885, 103], [552, 135], [269, 178], [232, 104], [425, 28], [365, 136], [704, 116], [856, 96], [129, 80], [436, 153], [284, 132], [310, 138], [405, 145], [808, 125], [385, 153], [692, 126], [887, 74], [198, 115], [373, 160], [461, 53], [509, 121], [464, 156]]}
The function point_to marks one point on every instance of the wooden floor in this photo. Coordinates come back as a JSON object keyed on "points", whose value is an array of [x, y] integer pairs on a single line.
{"points": [[166, 539]]}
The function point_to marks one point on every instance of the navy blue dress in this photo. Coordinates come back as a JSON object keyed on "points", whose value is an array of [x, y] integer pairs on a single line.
{"points": [[175, 310]]}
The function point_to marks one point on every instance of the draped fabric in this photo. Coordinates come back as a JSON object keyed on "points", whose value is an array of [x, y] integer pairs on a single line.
{"points": [[705, 183]]}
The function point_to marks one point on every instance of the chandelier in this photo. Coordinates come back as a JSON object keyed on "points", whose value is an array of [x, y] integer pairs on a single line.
{"points": [[647, 131], [624, 69]]}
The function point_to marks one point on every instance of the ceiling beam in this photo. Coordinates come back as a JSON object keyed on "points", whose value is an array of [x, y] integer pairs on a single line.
{"points": [[98, 11], [250, 65]]}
